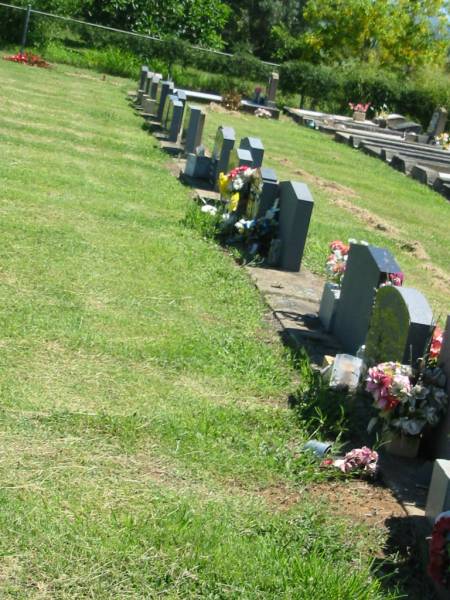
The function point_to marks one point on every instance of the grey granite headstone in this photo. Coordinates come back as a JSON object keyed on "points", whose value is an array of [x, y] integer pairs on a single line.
{"points": [[174, 119], [256, 148], [194, 121], [400, 327], [272, 87], [240, 158], [270, 191], [296, 205], [164, 90], [223, 145], [367, 268], [167, 110], [441, 436]]}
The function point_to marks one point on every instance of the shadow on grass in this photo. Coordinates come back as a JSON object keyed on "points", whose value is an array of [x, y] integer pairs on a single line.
{"points": [[405, 557]]}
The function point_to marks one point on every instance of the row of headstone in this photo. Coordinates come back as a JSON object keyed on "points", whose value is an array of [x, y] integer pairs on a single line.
{"points": [[185, 122]]}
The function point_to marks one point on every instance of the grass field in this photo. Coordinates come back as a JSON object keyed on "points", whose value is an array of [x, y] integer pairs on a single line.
{"points": [[359, 197], [147, 450]]}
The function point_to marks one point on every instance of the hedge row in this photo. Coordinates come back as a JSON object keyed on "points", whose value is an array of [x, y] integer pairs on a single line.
{"points": [[335, 87]]}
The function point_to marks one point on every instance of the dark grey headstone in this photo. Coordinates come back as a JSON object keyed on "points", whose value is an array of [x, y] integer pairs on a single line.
{"points": [[367, 268], [143, 77], [256, 148], [165, 89], [240, 158], [400, 326], [194, 121], [174, 120], [296, 205], [270, 191], [223, 145]]}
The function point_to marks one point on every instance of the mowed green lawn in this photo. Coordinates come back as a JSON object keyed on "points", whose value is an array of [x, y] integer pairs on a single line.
{"points": [[145, 439], [357, 196]]}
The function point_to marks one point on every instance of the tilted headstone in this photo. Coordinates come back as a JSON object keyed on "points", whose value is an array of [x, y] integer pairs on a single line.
{"points": [[240, 158], [194, 121], [223, 145], [438, 122], [441, 435], [272, 87], [400, 327], [269, 193], [296, 205], [174, 119], [367, 268], [256, 148], [164, 90]]}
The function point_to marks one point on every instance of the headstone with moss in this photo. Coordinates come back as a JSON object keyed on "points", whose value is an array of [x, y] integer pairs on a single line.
{"points": [[401, 326]]}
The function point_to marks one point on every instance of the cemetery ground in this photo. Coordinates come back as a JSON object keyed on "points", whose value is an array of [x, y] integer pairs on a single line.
{"points": [[147, 448]]}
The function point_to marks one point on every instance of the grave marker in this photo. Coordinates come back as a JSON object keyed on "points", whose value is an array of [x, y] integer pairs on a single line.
{"points": [[240, 158], [174, 119], [165, 88], [269, 193], [439, 492], [256, 148], [367, 268], [223, 145], [400, 326], [194, 122], [143, 77], [296, 205], [272, 88]]}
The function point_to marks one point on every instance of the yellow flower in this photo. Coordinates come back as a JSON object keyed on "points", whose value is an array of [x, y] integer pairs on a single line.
{"points": [[223, 184], [234, 201]]}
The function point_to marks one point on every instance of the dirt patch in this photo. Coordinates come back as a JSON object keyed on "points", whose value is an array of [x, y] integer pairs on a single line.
{"points": [[328, 186], [218, 108], [367, 217], [359, 501]]}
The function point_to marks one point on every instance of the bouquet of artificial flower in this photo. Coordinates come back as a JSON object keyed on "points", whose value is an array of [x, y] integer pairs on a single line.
{"points": [[337, 261]]}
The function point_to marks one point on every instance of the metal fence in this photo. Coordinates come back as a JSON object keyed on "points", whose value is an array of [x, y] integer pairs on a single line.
{"points": [[28, 12]]}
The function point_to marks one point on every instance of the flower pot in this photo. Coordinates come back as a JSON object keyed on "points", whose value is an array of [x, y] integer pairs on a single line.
{"points": [[401, 445], [328, 304], [359, 115]]}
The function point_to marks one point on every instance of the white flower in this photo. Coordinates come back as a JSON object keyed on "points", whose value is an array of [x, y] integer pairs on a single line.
{"points": [[207, 208]]}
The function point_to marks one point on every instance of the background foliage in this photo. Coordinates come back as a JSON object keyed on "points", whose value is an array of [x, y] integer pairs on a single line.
{"points": [[384, 52]]}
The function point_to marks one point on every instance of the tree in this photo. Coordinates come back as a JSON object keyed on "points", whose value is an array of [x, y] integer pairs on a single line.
{"points": [[393, 33]]}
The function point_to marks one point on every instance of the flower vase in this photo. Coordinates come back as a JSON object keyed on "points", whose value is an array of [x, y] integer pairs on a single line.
{"points": [[400, 444], [328, 304], [359, 115]]}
